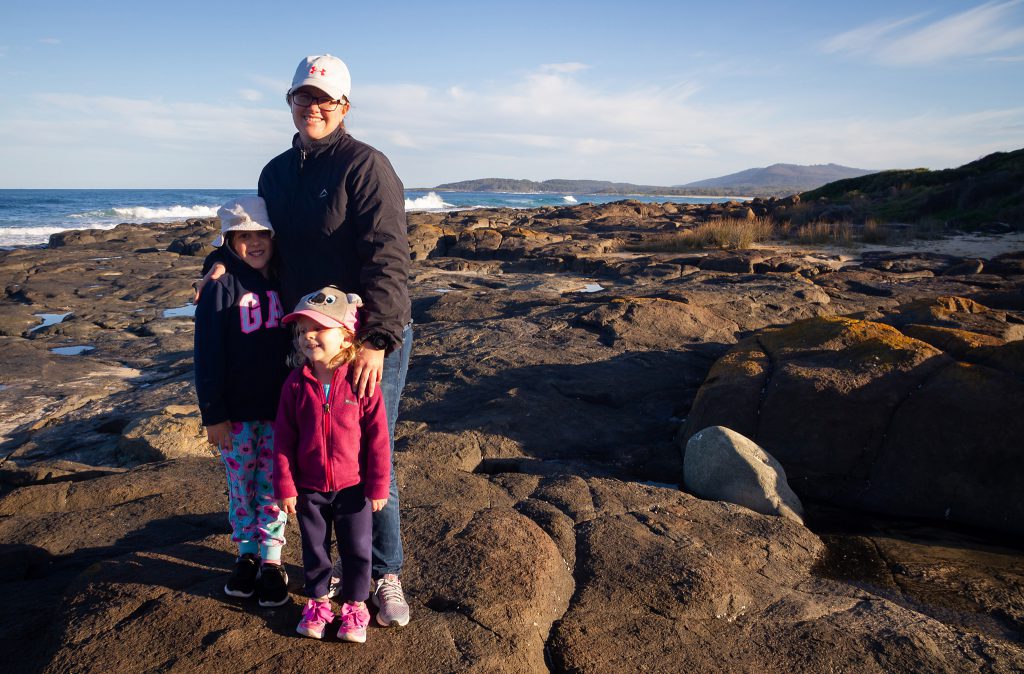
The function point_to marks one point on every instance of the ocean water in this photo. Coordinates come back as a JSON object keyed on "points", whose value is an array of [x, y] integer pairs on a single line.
{"points": [[29, 217]]}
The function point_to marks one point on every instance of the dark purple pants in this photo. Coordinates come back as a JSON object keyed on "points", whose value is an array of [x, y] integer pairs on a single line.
{"points": [[350, 514]]}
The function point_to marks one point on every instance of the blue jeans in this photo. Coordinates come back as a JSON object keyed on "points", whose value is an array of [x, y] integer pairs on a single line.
{"points": [[387, 524]]}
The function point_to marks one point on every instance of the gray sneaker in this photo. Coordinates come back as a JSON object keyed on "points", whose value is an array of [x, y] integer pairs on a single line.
{"points": [[386, 595], [333, 587]]}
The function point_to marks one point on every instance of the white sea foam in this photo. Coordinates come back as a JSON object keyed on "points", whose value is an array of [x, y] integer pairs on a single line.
{"points": [[569, 199], [102, 219], [177, 212], [143, 214], [430, 202], [32, 236]]}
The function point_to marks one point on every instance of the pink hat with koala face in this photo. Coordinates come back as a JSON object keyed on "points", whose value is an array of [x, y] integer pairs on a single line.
{"points": [[329, 307]]}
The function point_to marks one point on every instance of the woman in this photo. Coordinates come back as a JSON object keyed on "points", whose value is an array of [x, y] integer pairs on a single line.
{"points": [[338, 210]]}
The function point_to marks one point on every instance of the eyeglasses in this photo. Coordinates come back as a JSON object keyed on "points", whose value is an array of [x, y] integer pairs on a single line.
{"points": [[304, 100]]}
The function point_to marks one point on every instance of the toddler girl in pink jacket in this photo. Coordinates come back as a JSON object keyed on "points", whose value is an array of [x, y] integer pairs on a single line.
{"points": [[332, 464]]}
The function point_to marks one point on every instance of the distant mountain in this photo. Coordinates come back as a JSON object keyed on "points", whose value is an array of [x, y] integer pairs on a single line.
{"points": [[780, 178]]}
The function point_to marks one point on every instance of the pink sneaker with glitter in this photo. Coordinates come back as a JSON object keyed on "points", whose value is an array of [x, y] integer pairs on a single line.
{"points": [[354, 619], [316, 616]]}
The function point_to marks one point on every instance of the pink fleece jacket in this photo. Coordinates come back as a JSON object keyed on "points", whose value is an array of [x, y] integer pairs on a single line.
{"points": [[327, 445]]}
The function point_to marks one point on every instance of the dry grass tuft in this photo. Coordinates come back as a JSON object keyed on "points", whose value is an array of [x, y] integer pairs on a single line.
{"points": [[823, 233], [727, 233], [873, 232]]}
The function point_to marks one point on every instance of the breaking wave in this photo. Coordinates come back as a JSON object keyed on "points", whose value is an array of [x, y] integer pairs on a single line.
{"points": [[429, 202], [33, 236], [145, 214]]}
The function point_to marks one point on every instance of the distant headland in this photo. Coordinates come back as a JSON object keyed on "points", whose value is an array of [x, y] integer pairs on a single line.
{"points": [[774, 180]]}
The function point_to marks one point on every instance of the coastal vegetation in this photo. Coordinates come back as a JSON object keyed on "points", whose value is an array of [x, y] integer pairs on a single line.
{"points": [[886, 207], [877, 207], [975, 195], [741, 234]]}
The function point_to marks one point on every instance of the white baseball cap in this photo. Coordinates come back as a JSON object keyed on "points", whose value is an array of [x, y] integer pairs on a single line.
{"points": [[327, 73], [244, 214]]}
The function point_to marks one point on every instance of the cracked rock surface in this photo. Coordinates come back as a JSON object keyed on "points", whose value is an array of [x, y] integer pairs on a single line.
{"points": [[538, 455]]}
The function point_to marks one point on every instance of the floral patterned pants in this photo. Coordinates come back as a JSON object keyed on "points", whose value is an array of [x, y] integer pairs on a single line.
{"points": [[256, 521]]}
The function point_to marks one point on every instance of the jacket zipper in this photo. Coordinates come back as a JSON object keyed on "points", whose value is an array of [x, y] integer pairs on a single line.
{"points": [[325, 423], [327, 435]]}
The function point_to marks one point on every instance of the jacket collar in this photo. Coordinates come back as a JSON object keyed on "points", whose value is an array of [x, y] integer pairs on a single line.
{"points": [[317, 147], [340, 374]]}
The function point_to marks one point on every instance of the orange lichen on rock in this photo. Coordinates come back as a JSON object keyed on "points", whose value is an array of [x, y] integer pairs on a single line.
{"points": [[956, 342], [747, 359], [858, 339]]}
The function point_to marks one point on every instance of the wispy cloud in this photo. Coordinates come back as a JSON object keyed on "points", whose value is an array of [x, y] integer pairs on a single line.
{"points": [[563, 68], [866, 37], [49, 40], [987, 29]]}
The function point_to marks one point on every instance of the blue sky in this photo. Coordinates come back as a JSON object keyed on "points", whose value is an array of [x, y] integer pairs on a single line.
{"points": [[190, 94]]}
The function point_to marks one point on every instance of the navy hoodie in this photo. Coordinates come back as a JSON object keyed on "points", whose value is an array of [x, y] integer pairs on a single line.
{"points": [[240, 345]]}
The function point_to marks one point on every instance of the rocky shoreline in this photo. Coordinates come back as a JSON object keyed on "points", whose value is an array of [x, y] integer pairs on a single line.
{"points": [[557, 375]]}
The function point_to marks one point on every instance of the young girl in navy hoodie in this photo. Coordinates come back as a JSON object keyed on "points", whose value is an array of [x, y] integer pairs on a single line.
{"points": [[241, 348], [332, 460]]}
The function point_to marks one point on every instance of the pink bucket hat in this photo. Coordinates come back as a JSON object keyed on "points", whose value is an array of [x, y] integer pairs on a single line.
{"points": [[329, 307]]}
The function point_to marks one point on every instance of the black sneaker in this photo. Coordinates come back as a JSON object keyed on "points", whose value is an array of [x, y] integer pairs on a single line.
{"points": [[242, 582], [272, 586]]}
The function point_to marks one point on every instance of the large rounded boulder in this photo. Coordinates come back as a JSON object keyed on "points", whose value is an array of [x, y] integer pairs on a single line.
{"points": [[863, 415]]}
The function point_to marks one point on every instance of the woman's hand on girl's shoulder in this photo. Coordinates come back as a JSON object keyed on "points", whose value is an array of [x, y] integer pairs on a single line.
{"points": [[367, 370], [216, 271]]}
